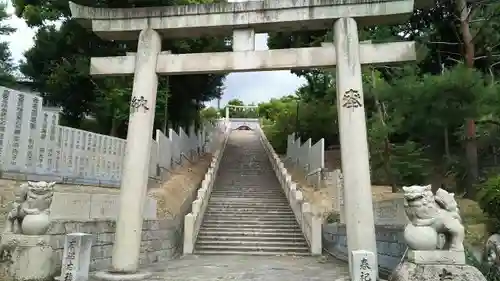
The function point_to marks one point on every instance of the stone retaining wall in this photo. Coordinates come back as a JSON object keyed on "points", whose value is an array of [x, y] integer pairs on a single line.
{"points": [[160, 240], [390, 244]]}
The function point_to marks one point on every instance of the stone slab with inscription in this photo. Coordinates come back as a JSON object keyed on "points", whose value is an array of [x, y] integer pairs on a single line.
{"points": [[76, 257], [409, 271], [82, 206], [106, 206], [436, 257], [390, 212], [31, 256], [363, 266], [70, 206]]}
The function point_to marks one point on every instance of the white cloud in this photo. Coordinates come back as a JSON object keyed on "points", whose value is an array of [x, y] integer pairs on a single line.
{"points": [[21, 40], [250, 87], [255, 87]]}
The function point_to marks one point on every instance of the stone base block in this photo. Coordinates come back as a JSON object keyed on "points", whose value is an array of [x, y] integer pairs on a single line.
{"points": [[436, 257], [409, 271], [111, 276], [31, 257]]}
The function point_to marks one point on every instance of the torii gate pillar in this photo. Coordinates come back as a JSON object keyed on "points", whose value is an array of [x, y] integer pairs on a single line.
{"points": [[358, 205], [133, 189]]}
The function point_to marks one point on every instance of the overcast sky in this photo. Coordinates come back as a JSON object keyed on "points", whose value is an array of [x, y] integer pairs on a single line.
{"points": [[251, 87]]}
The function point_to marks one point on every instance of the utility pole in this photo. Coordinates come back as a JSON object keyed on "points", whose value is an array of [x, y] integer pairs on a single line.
{"points": [[297, 117], [165, 117]]}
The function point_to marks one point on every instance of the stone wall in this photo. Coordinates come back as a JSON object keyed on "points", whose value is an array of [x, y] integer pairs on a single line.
{"points": [[160, 240], [390, 244]]}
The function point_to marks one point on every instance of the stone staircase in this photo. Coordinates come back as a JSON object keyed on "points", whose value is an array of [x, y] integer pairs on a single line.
{"points": [[248, 212]]}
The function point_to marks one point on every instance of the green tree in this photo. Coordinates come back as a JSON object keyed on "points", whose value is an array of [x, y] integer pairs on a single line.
{"points": [[58, 64], [209, 114], [7, 66]]}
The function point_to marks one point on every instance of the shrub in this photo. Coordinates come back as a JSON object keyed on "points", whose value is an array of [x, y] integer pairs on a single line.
{"points": [[489, 200], [491, 273]]}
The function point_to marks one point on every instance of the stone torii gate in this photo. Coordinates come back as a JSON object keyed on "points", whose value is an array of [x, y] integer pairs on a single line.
{"points": [[243, 20], [237, 106]]}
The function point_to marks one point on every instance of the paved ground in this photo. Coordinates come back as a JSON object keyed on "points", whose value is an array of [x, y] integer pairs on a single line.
{"points": [[250, 268]]}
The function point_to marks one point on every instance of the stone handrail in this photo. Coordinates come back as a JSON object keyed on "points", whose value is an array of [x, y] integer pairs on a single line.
{"points": [[193, 220], [309, 221]]}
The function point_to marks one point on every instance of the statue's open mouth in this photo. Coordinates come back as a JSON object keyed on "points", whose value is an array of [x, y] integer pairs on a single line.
{"points": [[412, 198]]}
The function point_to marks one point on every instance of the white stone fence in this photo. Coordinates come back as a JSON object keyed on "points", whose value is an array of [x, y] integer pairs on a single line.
{"points": [[309, 158], [193, 220], [309, 220], [33, 146]]}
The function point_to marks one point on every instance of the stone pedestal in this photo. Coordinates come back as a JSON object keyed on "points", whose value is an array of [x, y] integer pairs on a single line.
{"points": [[409, 271], [436, 257], [29, 258]]}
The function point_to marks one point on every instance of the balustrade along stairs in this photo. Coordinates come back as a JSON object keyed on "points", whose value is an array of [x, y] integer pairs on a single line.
{"points": [[247, 211]]}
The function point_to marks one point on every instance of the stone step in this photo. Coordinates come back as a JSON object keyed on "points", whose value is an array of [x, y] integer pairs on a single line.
{"points": [[239, 187], [249, 229], [274, 237], [250, 216], [269, 180], [246, 221], [249, 206], [248, 195], [263, 190], [248, 212], [242, 248], [250, 225], [252, 232], [248, 200], [241, 218], [215, 211], [235, 252], [248, 243]]}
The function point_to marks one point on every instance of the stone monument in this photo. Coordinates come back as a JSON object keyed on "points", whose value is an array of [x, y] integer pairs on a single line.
{"points": [[24, 247], [76, 257], [434, 237]]}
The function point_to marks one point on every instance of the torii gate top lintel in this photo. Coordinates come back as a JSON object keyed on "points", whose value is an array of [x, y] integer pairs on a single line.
{"points": [[218, 18]]}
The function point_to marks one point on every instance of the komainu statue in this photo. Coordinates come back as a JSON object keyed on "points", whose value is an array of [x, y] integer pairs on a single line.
{"points": [[434, 237], [431, 217], [30, 210], [492, 251]]}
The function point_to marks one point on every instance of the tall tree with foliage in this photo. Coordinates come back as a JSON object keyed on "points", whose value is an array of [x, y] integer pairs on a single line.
{"points": [[58, 64], [7, 66]]}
